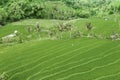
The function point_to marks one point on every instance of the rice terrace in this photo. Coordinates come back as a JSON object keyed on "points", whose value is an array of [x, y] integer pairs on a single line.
{"points": [[60, 40]]}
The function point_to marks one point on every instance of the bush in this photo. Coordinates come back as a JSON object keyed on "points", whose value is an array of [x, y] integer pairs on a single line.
{"points": [[3, 16], [77, 34], [84, 15], [111, 12], [3, 2], [4, 76], [15, 10]]}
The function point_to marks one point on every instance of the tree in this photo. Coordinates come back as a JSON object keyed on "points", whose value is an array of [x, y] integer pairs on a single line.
{"points": [[3, 16], [69, 27], [89, 26], [29, 29], [2, 2], [61, 29], [37, 27], [52, 32]]}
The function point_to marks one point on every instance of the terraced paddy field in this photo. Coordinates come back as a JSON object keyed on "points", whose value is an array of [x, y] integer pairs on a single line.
{"points": [[75, 59]]}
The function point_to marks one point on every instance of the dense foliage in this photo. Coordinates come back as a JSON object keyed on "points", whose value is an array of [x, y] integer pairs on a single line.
{"points": [[14, 10]]}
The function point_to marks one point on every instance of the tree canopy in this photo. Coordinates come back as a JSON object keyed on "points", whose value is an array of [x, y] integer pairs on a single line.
{"points": [[13, 10]]}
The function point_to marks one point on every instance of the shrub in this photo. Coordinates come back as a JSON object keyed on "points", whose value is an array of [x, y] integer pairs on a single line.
{"points": [[84, 15], [3, 16], [4, 76], [15, 10], [3, 2], [77, 34], [89, 26]]}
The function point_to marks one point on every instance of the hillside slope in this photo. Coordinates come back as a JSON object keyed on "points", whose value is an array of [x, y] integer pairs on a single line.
{"points": [[85, 59], [101, 27]]}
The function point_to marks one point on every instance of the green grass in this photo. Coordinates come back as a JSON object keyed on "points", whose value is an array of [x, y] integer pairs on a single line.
{"points": [[100, 26], [66, 59], [22, 26], [75, 59]]}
